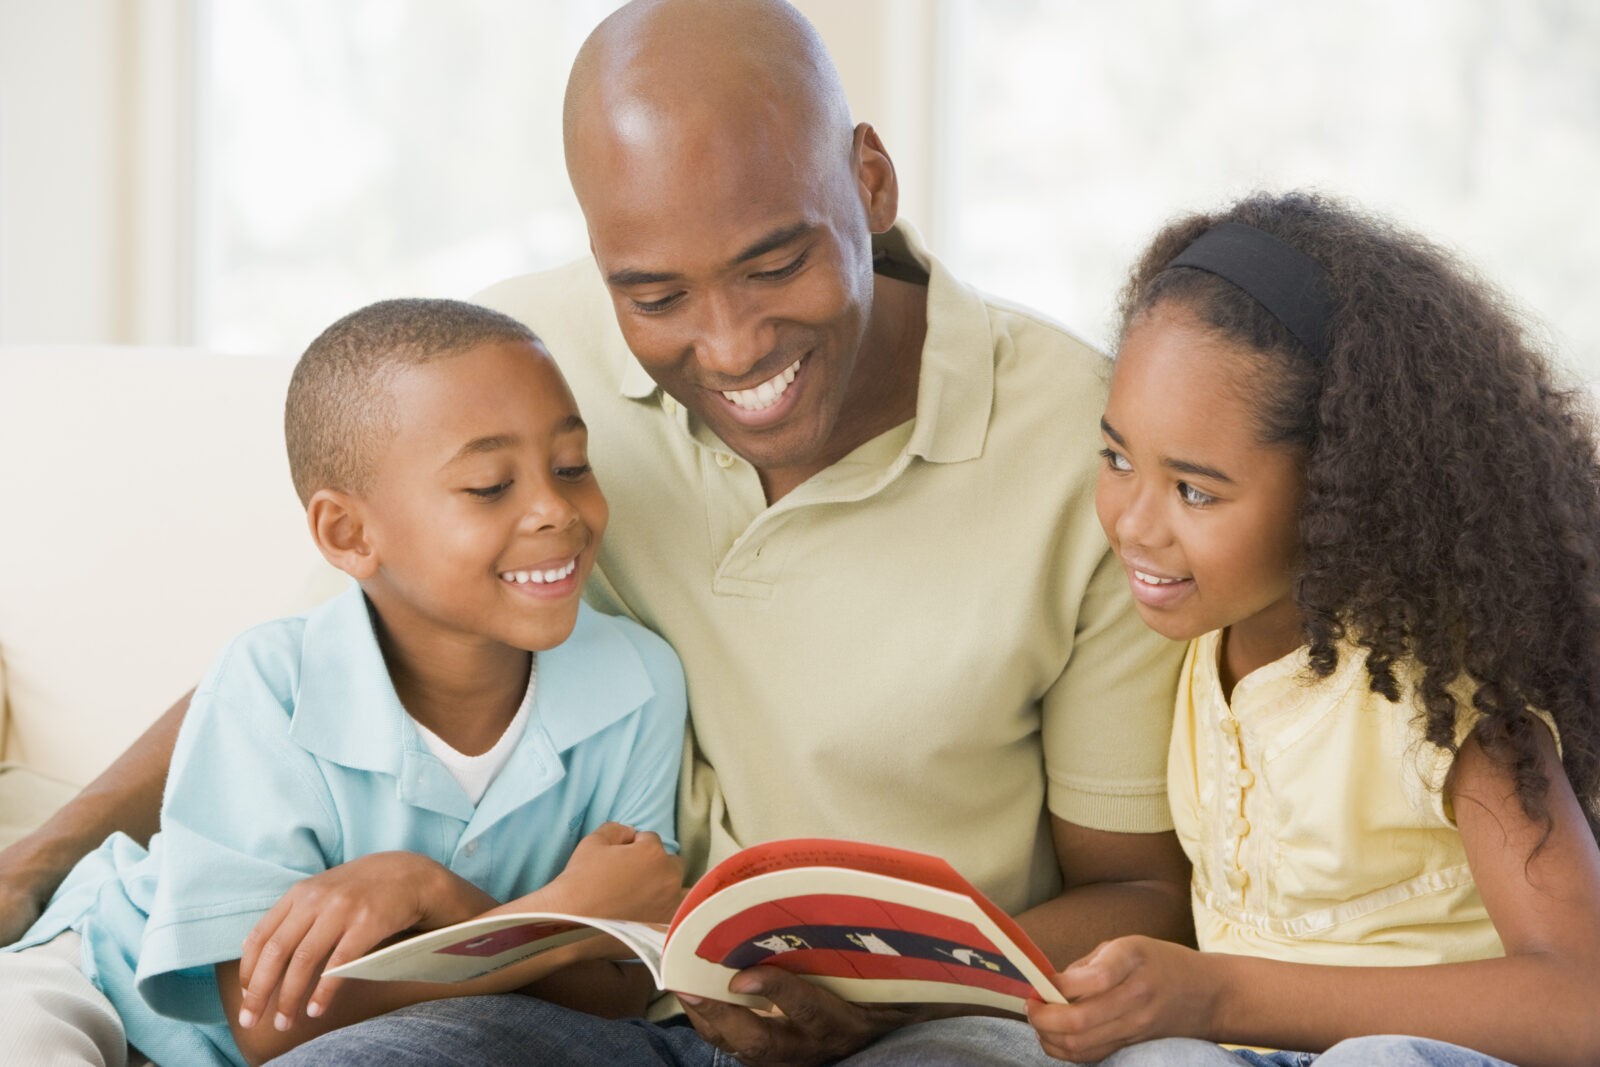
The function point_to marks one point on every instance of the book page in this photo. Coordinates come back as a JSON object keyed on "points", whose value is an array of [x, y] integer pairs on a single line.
{"points": [[486, 944]]}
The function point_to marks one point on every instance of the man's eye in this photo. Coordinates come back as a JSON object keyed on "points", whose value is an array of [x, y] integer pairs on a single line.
{"points": [[651, 307], [489, 492], [782, 272]]}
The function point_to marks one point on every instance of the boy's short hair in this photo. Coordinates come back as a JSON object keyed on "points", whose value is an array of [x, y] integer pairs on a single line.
{"points": [[339, 410]]}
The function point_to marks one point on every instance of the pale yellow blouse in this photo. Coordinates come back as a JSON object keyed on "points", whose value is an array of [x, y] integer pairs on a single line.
{"points": [[1312, 813]]}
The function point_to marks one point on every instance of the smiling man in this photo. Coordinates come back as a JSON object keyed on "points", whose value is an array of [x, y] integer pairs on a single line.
{"points": [[856, 496]]}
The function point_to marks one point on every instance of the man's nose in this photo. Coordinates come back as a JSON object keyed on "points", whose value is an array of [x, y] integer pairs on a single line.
{"points": [[733, 337]]}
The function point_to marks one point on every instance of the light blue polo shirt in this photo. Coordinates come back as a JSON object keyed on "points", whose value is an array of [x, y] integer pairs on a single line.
{"points": [[296, 756]]}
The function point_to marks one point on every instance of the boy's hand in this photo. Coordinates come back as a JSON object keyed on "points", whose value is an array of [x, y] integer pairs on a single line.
{"points": [[1128, 990], [336, 916], [619, 873]]}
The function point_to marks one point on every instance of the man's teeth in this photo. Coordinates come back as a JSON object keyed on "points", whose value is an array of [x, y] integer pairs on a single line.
{"points": [[1150, 579], [540, 577], [767, 393]]}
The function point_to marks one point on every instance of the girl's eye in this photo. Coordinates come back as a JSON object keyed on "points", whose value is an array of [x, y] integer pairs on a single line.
{"points": [[782, 272], [490, 492], [1194, 497], [573, 474], [1115, 460]]}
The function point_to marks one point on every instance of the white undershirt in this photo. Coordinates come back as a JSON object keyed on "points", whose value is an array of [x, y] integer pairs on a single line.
{"points": [[475, 773]]}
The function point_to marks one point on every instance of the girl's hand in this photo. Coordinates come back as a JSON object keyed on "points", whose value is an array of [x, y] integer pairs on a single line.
{"points": [[1125, 991], [617, 873], [336, 916]]}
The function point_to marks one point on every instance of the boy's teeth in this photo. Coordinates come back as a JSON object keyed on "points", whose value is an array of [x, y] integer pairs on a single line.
{"points": [[1150, 579], [540, 577], [767, 393]]}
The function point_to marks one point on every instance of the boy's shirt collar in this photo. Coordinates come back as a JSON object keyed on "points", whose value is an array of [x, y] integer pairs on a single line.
{"points": [[346, 709]]}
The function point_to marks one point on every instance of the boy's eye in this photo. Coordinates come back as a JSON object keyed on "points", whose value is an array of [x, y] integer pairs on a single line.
{"points": [[1193, 496], [781, 272], [1115, 460], [489, 492], [573, 474]]}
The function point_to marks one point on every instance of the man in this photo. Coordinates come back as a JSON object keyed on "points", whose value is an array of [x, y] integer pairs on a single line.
{"points": [[857, 499]]}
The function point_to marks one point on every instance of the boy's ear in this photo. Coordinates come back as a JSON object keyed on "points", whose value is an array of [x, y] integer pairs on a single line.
{"points": [[339, 527]]}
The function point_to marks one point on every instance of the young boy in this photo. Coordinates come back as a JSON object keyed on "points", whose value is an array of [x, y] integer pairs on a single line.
{"points": [[434, 741]]}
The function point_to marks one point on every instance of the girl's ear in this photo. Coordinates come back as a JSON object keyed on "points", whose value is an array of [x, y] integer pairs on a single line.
{"points": [[339, 527]]}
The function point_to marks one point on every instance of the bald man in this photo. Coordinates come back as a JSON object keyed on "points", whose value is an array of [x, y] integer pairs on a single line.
{"points": [[856, 496]]}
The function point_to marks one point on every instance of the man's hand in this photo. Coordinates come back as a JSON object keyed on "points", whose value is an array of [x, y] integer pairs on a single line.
{"points": [[1127, 990], [23, 894], [810, 1027], [339, 915]]}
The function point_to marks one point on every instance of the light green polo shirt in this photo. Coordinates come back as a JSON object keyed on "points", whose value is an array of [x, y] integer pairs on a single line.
{"points": [[925, 644]]}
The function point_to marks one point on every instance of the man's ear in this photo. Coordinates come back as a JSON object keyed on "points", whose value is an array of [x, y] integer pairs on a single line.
{"points": [[875, 179], [338, 524]]}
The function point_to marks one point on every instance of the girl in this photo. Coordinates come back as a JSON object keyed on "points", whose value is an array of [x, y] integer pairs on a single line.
{"points": [[1337, 466]]}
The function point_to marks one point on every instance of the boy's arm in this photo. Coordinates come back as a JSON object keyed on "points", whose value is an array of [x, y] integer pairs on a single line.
{"points": [[126, 796]]}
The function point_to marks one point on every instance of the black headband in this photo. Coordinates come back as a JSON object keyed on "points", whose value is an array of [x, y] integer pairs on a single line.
{"points": [[1275, 274]]}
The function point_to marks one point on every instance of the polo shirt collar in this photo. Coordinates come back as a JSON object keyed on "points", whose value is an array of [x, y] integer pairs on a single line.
{"points": [[347, 712], [955, 388]]}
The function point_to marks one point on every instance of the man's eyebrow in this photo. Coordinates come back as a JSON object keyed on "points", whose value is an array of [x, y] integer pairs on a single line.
{"points": [[628, 277], [1182, 466], [774, 240]]}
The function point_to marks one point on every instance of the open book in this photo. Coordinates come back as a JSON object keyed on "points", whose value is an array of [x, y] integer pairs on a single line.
{"points": [[870, 923]]}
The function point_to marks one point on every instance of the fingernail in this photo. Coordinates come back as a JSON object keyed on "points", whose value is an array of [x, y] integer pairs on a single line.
{"points": [[750, 987], [693, 1002], [313, 1009], [247, 1018], [281, 1021]]}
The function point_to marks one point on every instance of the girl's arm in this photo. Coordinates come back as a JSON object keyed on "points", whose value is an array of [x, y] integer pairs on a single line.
{"points": [[1535, 1007]]}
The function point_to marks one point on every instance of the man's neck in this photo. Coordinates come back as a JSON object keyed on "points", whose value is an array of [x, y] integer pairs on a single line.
{"points": [[883, 385]]}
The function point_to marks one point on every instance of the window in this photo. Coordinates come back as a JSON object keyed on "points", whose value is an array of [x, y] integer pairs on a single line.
{"points": [[1077, 129]]}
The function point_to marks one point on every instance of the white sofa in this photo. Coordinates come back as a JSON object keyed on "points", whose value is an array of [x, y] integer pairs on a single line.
{"points": [[146, 515]]}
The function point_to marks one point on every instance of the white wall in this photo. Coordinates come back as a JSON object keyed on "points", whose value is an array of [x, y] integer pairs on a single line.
{"points": [[64, 154]]}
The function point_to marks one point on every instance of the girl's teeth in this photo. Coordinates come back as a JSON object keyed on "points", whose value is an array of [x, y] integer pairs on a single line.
{"points": [[1150, 579]]}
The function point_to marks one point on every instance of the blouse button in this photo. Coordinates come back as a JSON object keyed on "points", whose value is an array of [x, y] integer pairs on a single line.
{"points": [[724, 460], [1230, 727], [1241, 826], [1237, 878], [471, 848], [1245, 778]]}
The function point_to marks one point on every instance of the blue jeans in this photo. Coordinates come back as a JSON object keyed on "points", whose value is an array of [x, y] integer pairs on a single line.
{"points": [[515, 1029], [1380, 1051]]}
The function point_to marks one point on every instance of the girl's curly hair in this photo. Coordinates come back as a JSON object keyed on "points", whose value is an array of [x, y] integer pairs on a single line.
{"points": [[1452, 507]]}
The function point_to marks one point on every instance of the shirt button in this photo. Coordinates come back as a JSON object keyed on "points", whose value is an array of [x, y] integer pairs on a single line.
{"points": [[1230, 727], [471, 849], [1238, 879], [1241, 826], [724, 460], [1244, 779]]}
